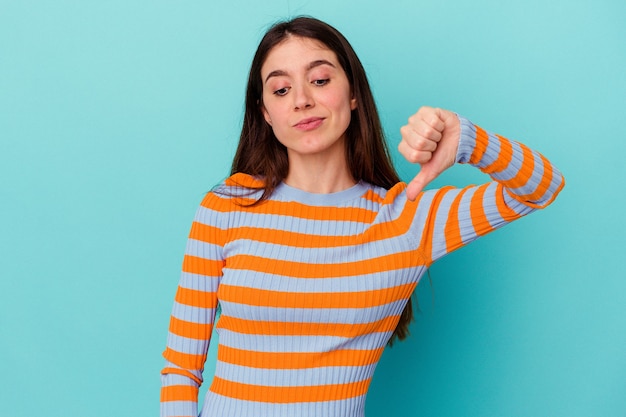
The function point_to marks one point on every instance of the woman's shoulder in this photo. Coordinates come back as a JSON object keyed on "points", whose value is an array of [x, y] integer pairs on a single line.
{"points": [[237, 185], [241, 180], [237, 188], [391, 195]]}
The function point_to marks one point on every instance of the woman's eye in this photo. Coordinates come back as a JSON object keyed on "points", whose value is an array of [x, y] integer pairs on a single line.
{"points": [[281, 91], [322, 82]]}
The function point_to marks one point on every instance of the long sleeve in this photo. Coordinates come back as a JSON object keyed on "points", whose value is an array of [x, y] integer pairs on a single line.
{"points": [[193, 313], [523, 181]]}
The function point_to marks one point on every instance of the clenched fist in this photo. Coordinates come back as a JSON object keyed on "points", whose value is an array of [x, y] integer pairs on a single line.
{"points": [[431, 139]]}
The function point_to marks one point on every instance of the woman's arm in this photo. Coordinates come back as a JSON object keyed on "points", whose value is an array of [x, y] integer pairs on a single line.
{"points": [[449, 218], [193, 314]]}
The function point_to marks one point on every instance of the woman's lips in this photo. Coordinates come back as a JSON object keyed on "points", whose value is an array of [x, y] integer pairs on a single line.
{"points": [[309, 123]]}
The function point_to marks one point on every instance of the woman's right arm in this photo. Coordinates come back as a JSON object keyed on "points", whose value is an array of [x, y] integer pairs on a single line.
{"points": [[193, 314]]}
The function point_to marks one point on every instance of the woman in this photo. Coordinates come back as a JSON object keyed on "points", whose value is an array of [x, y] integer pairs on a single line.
{"points": [[313, 247]]}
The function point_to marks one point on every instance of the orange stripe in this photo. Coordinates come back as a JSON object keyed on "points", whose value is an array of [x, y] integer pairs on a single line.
{"points": [[372, 196], [314, 393], [180, 371], [190, 329], [298, 360], [195, 265], [243, 180], [195, 298], [506, 212], [396, 227], [320, 300], [185, 360], [545, 182], [294, 239], [504, 157], [506, 154], [477, 212], [212, 200], [281, 328], [482, 141], [328, 270], [526, 171], [452, 229], [179, 393], [426, 244], [206, 233], [292, 209], [551, 199], [543, 185]]}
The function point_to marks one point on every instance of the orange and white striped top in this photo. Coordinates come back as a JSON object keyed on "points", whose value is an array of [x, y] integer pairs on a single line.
{"points": [[311, 286]]}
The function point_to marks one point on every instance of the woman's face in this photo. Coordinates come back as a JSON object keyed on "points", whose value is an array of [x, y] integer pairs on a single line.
{"points": [[307, 98]]}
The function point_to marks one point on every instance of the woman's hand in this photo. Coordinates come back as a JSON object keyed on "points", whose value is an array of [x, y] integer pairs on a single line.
{"points": [[431, 139]]}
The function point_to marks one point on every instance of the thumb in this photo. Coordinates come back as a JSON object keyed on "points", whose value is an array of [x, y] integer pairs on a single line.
{"points": [[418, 184]]}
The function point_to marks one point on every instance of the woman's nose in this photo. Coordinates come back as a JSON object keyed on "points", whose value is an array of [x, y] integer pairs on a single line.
{"points": [[302, 98]]}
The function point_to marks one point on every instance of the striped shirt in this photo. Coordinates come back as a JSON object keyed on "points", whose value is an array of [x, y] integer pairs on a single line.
{"points": [[311, 286]]}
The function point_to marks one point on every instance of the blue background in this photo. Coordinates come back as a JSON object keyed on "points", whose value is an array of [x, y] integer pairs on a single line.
{"points": [[117, 116]]}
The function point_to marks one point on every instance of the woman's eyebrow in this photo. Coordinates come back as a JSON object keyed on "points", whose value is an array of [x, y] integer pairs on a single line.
{"points": [[317, 63], [313, 64], [275, 73]]}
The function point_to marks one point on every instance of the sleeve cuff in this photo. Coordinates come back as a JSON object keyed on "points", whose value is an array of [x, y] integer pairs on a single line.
{"points": [[467, 141]]}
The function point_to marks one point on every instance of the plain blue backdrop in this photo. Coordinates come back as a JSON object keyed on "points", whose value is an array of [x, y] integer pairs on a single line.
{"points": [[117, 116]]}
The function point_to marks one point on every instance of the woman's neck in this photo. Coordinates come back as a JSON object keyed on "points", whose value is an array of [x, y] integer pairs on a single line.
{"points": [[319, 175]]}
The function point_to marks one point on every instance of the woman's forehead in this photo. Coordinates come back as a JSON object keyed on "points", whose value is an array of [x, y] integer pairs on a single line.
{"points": [[295, 52]]}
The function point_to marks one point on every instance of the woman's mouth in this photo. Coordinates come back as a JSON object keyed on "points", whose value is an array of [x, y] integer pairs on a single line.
{"points": [[309, 123]]}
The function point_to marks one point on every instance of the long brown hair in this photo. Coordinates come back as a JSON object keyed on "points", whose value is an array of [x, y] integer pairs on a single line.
{"points": [[260, 154]]}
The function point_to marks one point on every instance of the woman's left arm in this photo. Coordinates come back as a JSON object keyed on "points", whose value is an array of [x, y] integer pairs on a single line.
{"points": [[524, 180]]}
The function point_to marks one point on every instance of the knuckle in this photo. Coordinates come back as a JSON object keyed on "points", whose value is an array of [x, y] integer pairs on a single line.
{"points": [[419, 157], [414, 157], [426, 110], [428, 131]]}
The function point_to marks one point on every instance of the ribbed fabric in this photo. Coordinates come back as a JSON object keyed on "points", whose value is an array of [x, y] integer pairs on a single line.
{"points": [[311, 286]]}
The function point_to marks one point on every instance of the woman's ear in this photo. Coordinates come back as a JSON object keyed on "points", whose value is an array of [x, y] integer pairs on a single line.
{"points": [[266, 115], [353, 103]]}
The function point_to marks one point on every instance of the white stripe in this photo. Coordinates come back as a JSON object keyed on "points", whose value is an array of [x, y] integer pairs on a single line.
{"points": [[286, 222], [303, 344], [512, 170], [354, 283], [313, 315], [193, 314], [294, 377], [204, 250], [217, 405], [197, 282], [186, 345]]}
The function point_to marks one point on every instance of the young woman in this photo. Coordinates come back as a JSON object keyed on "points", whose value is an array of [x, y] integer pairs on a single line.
{"points": [[313, 247]]}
